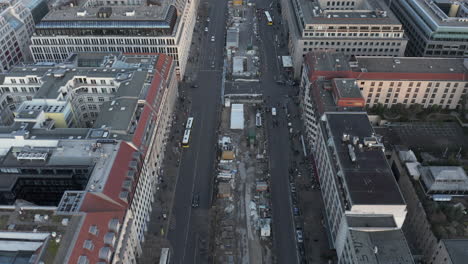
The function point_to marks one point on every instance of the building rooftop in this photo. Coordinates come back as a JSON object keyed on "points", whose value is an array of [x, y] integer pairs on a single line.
{"points": [[347, 88], [368, 12], [367, 175], [444, 179], [382, 247], [439, 11], [86, 11], [327, 61], [457, 249], [412, 65], [370, 221]]}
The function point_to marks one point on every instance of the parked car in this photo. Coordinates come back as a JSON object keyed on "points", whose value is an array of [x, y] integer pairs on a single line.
{"points": [[296, 211], [299, 236], [196, 201], [206, 29], [212, 38], [273, 111]]}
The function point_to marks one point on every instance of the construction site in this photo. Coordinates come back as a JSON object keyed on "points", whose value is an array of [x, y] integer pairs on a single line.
{"points": [[242, 209]]}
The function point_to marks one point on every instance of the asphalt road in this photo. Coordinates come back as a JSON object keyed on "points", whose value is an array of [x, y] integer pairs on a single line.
{"points": [[196, 168], [285, 245], [197, 162]]}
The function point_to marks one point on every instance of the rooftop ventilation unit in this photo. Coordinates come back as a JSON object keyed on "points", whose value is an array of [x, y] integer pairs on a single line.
{"points": [[32, 156]]}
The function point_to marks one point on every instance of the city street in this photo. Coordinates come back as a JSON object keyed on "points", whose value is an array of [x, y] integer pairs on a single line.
{"points": [[189, 229], [283, 224], [189, 225]]}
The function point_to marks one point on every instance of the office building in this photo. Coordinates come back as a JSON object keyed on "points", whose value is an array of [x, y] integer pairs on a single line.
{"points": [[16, 28], [444, 180], [389, 81], [451, 251], [354, 27], [115, 26], [364, 208], [100, 174], [436, 28], [356, 179]]}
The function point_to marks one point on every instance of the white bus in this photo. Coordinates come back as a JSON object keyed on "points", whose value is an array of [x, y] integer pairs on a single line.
{"points": [[186, 139], [165, 256], [189, 123], [268, 17]]}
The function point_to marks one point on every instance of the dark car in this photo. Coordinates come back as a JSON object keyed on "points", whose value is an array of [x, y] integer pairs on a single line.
{"points": [[194, 86], [196, 200], [296, 211]]}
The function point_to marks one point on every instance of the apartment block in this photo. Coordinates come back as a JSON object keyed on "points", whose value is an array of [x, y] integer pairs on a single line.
{"points": [[16, 28], [435, 28], [354, 27], [116, 26], [91, 182]]}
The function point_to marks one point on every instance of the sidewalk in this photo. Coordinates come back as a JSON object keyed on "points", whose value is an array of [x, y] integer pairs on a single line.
{"points": [[159, 224], [316, 247]]}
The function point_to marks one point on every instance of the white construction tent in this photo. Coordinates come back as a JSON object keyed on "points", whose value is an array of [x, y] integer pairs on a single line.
{"points": [[237, 116]]}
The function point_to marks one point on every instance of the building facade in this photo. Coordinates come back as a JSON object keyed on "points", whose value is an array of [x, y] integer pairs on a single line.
{"points": [[103, 172], [364, 208], [357, 27], [104, 26], [355, 179], [389, 81], [434, 28], [16, 29]]}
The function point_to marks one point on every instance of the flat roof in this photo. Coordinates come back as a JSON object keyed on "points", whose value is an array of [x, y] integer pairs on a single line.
{"points": [[327, 61], [369, 179], [411, 64], [381, 247], [369, 12], [457, 249], [82, 12], [434, 10], [370, 221], [68, 153], [347, 88]]}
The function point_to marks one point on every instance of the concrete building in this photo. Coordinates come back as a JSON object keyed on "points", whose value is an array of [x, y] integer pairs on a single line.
{"points": [[373, 239], [390, 81], [356, 180], [117, 26], [364, 208], [445, 180], [451, 251], [435, 28], [421, 227], [354, 27], [102, 178], [16, 28]]}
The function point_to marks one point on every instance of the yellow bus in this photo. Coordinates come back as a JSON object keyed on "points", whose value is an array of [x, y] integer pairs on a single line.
{"points": [[186, 139], [268, 17]]}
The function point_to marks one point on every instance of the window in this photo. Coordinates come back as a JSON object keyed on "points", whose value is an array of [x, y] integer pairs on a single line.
{"points": [[101, 99], [90, 99]]}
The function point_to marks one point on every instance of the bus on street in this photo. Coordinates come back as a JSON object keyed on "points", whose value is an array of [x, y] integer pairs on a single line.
{"points": [[268, 17], [186, 139], [189, 123], [165, 256]]}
